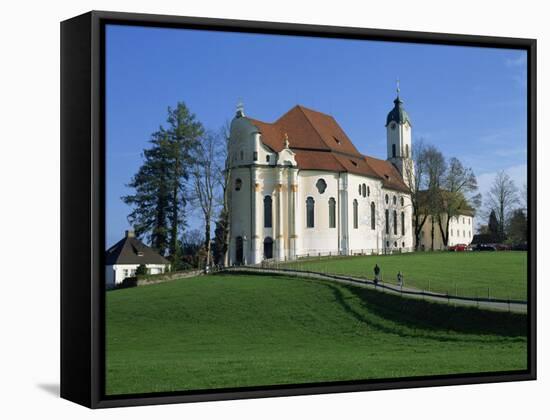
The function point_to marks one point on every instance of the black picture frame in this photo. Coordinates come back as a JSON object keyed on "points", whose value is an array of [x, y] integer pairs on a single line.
{"points": [[83, 204]]}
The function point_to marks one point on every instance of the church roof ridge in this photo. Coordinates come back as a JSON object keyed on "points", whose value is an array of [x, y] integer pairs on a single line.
{"points": [[320, 143]]}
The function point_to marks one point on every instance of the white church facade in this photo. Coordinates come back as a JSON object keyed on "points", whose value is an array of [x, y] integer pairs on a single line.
{"points": [[298, 186]]}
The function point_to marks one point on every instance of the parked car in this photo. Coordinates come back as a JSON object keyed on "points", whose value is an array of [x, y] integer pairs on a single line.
{"points": [[458, 248], [485, 247], [503, 247], [520, 247]]}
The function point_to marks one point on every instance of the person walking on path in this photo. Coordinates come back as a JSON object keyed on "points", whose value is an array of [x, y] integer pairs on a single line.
{"points": [[376, 274], [400, 279]]}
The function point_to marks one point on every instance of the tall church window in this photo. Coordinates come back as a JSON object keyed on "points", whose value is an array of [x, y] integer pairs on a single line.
{"points": [[394, 222], [364, 190], [331, 212], [255, 156], [238, 184], [394, 200], [310, 212], [355, 214], [387, 199], [359, 189], [387, 221], [372, 216], [268, 212], [393, 150], [403, 223], [402, 201], [368, 191]]}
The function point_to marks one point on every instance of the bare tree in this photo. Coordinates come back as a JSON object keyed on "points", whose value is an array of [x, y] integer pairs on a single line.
{"points": [[223, 226], [457, 194], [435, 169], [205, 175], [415, 176], [423, 175], [524, 198], [502, 198]]}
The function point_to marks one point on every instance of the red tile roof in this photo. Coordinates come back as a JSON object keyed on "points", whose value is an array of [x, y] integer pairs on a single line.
{"points": [[321, 144]]}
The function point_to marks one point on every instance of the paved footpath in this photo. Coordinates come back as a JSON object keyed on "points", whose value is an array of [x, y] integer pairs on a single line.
{"points": [[412, 293]]}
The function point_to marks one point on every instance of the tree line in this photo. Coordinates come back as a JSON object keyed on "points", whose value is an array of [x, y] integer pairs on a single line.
{"points": [[440, 189], [506, 212], [183, 174]]}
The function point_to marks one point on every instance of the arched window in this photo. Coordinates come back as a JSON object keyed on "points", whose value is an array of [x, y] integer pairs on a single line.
{"points": [[403, 224], [407, 150], [364, 190], [387, 199], [238, 184], [387, 221], [394, 222], [268, 248], [368, 191], [394, 200], [310, 212], [321, 185], [372, 216], [359, 189], [331, 212], [402, 201], [355, 214], [393, 150], [268, 212], [242, 155]]}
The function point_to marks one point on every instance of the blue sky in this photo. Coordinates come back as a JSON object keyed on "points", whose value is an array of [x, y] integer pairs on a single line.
{"points": [[470, 102]]}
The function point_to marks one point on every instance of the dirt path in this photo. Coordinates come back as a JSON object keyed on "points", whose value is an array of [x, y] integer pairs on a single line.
{"points": [[409, 292]]}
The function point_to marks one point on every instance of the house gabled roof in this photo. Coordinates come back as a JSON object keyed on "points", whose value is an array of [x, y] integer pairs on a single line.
{"points": [[321, 144], [131, 250]]}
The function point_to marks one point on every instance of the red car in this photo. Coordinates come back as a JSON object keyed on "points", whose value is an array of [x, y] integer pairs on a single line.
{"points": [[458, 248]]}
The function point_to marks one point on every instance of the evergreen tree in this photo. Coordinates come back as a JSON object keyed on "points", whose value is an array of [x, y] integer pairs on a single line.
{"points": [[159, 197], [517, 227], [220, 245], [151, 199], [184, 133]]}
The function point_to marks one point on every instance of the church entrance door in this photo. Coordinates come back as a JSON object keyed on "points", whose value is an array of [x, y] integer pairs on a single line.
{"points": [[268, 248], [239, 251]]}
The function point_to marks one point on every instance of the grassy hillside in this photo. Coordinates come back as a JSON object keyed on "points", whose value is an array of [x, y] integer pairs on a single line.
{"points": [[501, 274], [242, 330]]}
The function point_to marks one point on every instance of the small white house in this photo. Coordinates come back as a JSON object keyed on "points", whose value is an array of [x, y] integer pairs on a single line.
{"points": [[124, 257]]}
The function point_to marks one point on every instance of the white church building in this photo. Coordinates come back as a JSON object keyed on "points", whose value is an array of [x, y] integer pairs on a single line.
{"points": [[298, 186]]}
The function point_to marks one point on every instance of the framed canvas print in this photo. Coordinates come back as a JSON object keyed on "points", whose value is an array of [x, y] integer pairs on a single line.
{"points": [[255, 209]]}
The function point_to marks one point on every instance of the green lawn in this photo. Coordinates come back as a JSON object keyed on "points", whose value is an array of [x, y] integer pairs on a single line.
{"points": [[499, 274], [226, 330]]}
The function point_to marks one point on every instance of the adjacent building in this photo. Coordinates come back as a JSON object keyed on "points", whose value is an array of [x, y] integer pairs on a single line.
{"points": [[124, 257]]}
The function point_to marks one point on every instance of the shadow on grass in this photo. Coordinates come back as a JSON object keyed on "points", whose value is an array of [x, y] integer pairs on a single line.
{"points": [[414, 313], [417, 314]]}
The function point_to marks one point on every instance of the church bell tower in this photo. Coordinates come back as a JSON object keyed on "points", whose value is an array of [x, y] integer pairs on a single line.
{"points": [[398, 129]]}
